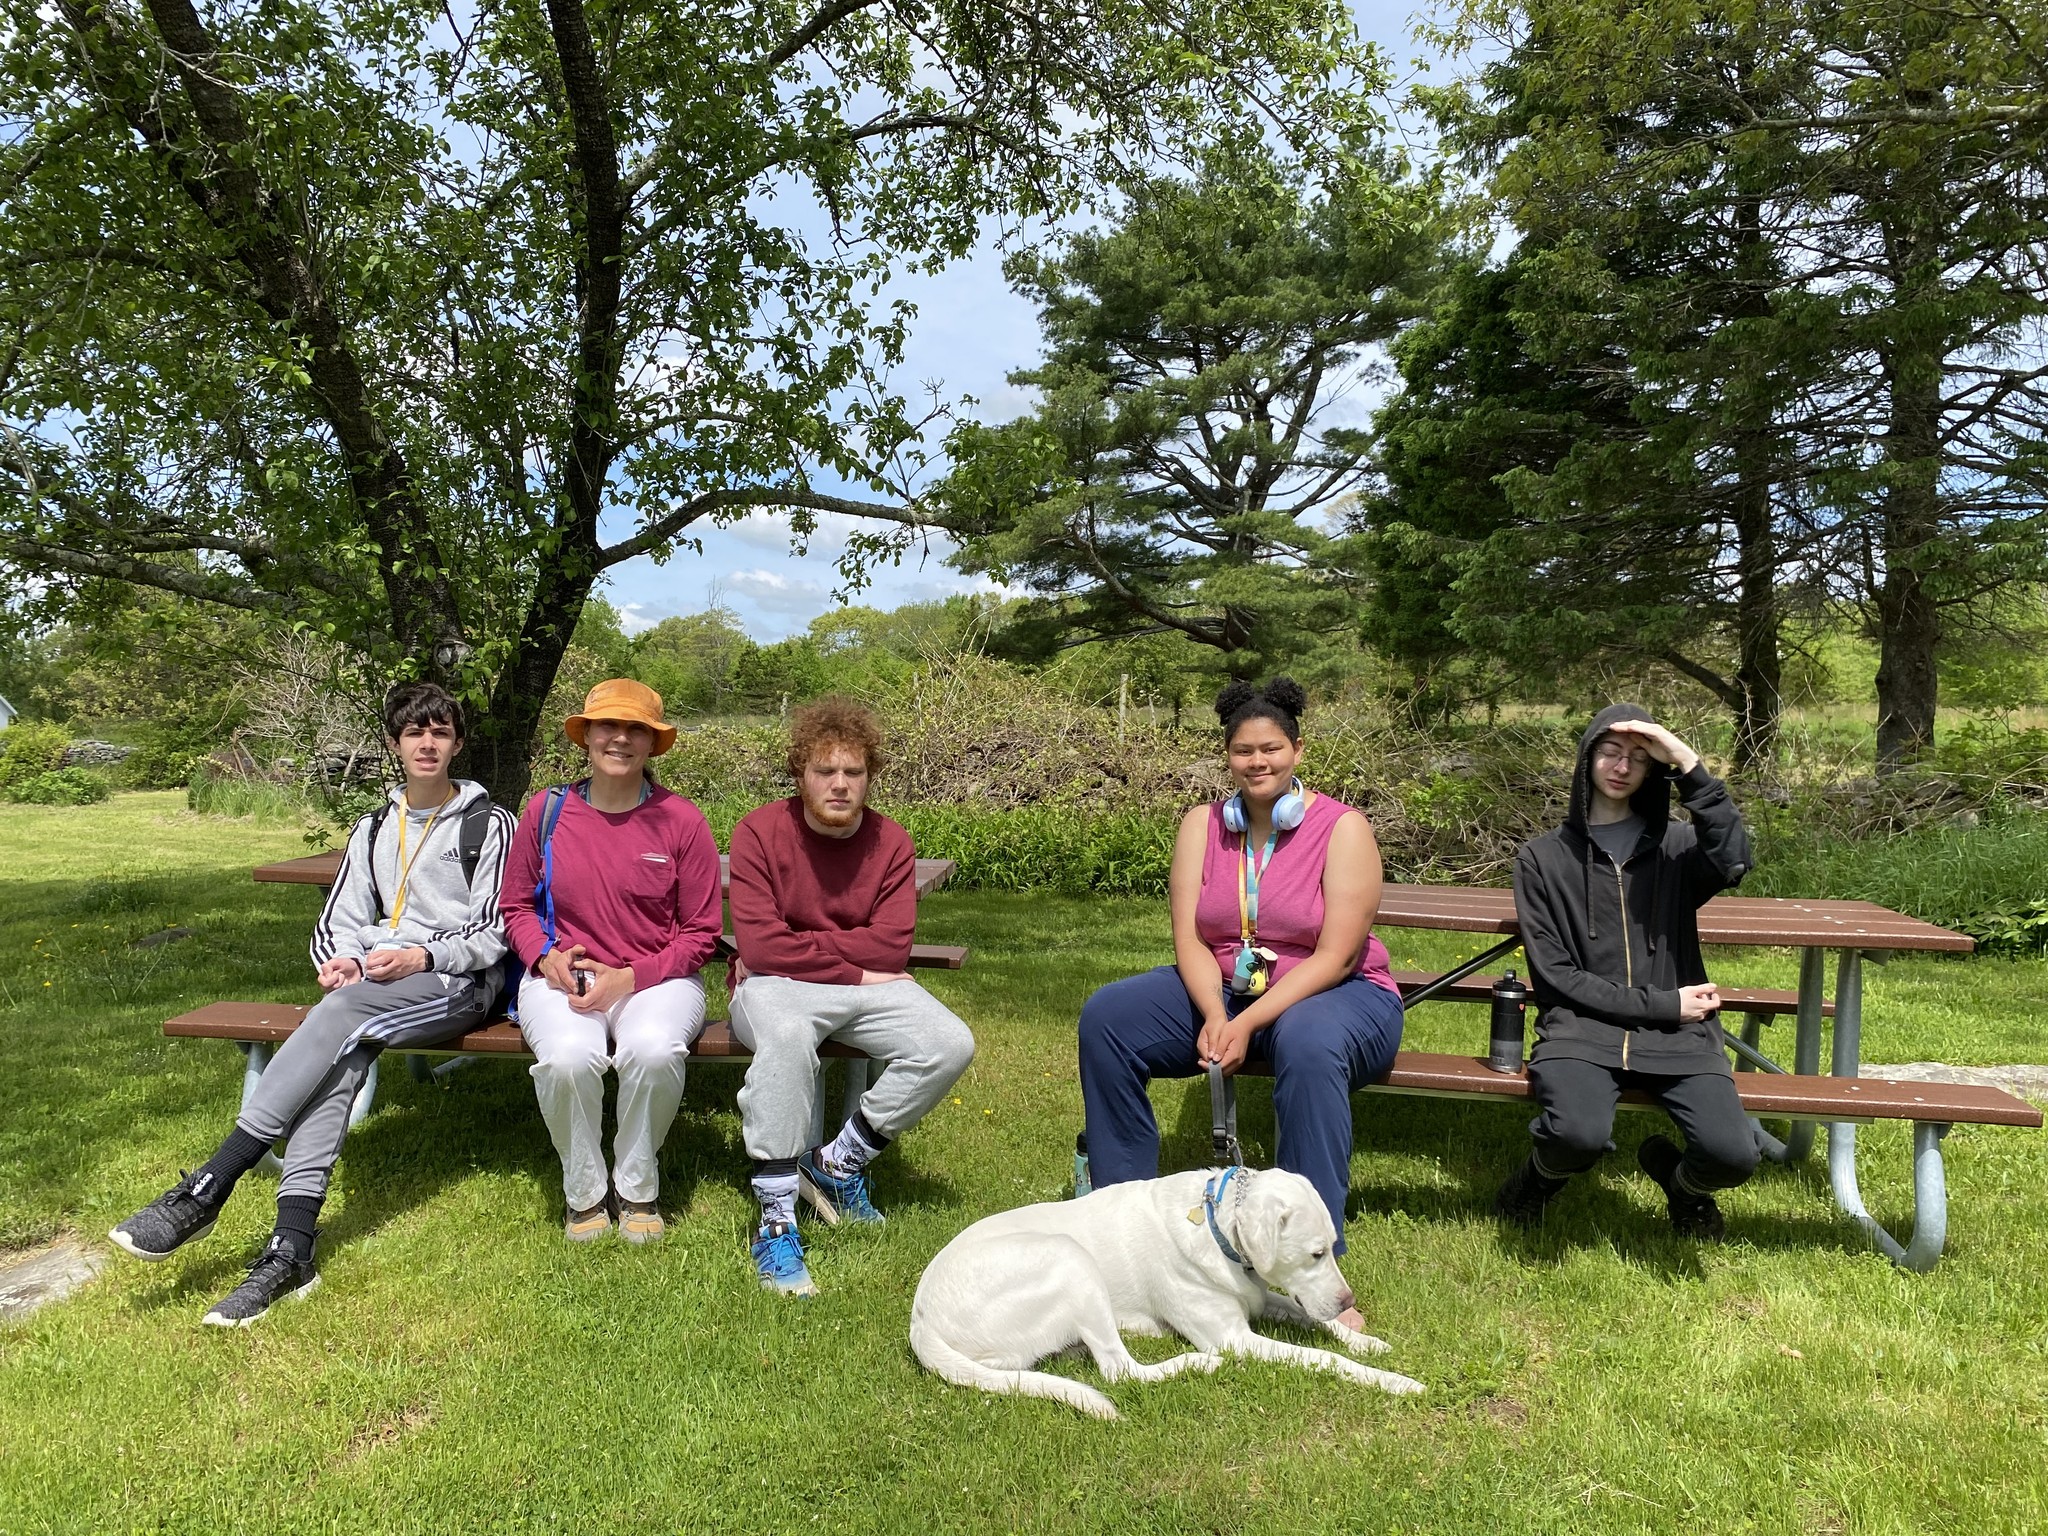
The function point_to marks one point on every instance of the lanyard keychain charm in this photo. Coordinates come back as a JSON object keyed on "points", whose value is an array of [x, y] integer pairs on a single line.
{"points": [[1253, 972]]}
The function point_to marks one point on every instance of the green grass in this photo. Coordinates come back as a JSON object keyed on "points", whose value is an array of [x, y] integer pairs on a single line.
{"points": [[463, 1369]]}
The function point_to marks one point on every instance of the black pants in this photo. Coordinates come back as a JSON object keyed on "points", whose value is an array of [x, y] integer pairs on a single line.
{"points": [[1578, 1099]]}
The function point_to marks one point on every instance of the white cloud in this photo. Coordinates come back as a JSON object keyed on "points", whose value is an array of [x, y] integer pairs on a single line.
{"points": [[774, 592], [638, 618]]}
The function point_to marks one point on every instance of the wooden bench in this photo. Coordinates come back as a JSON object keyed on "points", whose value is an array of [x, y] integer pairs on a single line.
{"points": [[259, 1028], [1840, 1103]]}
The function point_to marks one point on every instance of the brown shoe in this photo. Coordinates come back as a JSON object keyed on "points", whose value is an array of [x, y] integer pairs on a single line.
{"points": [[639, 1221], [587, 1226]]}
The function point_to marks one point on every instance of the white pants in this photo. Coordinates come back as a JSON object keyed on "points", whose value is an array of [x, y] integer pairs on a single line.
{"points": [[647, 1039]]}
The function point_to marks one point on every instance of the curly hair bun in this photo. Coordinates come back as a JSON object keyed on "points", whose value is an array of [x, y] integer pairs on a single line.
{"points": [[1288, 694], [1235, 695]]}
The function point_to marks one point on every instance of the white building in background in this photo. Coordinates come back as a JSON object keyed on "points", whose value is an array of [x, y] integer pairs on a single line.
{"points": [[7, 714]]}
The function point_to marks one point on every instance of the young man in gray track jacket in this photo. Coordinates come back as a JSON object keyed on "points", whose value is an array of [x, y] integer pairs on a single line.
{"points": [[407, 951]]}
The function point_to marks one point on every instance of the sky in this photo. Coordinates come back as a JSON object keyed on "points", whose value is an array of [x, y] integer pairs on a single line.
{"points": [[970, 332]]}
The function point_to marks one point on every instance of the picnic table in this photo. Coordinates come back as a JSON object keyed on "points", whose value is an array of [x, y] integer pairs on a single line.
{"points": [[1855, 931]]}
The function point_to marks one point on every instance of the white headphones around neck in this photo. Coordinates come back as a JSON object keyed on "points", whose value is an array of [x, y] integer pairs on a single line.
{"points": [[1287, 810]]}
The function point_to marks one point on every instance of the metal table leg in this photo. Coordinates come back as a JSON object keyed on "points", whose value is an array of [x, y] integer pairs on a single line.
{"points": [[1930, 1185], [254, 1059], [856, 1088], [1813, 970], [366, 1096]]}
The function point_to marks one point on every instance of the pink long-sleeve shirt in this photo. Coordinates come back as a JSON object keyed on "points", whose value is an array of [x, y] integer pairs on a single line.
{"points": [[638, 888]]}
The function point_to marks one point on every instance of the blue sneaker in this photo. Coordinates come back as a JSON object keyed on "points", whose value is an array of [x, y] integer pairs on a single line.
{"points": [[836, 1197], [779, 1256]]}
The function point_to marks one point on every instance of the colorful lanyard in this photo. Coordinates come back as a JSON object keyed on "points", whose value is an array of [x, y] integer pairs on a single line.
{"points": [[1248, 888], [404, 864]]}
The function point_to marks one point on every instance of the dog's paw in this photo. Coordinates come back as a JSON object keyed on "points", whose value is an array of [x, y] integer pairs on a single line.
{"points": [[1204, 1363], [1358, 1343], [1398, 1386]]}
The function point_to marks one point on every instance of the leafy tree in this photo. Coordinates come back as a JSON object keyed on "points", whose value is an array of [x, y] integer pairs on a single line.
{"points": [[693, 661], [1809, 233], [409, 322], [1191, 443], [1475, 405]]}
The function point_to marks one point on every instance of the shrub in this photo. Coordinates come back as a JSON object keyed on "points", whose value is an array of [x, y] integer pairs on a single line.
{"points": [[60, 786], [29, 748]]}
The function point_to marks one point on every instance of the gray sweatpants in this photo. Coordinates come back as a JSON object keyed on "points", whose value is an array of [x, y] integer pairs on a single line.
{"points": [[783, 1023], [305, 1093]]}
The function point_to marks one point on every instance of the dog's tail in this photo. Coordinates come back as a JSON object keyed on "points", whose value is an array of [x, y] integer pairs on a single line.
{"points": [[939, 1357]]}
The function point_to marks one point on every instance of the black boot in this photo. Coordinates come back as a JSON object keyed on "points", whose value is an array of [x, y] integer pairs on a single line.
{"points": [[1528, 1190], [1694, 1216]]}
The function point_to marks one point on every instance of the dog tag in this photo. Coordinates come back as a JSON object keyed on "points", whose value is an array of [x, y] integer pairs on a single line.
{"points": [[1195, 1215]]}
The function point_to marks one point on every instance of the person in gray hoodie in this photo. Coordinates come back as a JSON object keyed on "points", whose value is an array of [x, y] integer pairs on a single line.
{"points": [[407, 950], [1608, 907]]}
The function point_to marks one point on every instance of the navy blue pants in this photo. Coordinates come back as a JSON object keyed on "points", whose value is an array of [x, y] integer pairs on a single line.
{"points": [[1321, 1049]]}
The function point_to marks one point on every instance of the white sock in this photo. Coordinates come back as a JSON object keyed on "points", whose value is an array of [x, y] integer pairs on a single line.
{"points": [[849, 1151], [777, 1194]]}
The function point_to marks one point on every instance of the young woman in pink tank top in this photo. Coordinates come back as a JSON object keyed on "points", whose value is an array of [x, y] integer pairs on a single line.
{"points": [[1273, 894]]}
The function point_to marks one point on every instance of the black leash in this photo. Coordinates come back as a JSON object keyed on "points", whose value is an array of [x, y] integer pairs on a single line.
{"points": [[1223, 1143]]}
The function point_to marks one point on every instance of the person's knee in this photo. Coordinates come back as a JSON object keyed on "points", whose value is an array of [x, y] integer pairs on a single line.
{"points": [[948, 1045], [1580, 1138], [568, 1060], [1099, 1017], [645, 1052], [1728, 1153]]}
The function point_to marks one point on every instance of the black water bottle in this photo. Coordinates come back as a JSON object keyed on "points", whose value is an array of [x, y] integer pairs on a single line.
{"points": [[1504, 1051]]}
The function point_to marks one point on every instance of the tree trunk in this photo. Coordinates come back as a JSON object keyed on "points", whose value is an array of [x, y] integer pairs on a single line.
{"points": [[1759, 666], [1758, 670], [1909, 624], [499, 754]]}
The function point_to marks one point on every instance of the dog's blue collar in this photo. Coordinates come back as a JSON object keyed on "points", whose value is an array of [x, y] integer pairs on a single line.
{"points": [[1212, 1196]]}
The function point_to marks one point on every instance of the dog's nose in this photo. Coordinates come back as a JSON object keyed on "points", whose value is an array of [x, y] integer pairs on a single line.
{"points": [[1345, 1300]]}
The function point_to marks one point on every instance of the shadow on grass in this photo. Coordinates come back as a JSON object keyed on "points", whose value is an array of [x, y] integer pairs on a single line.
{"points": [[1471, 1148]]}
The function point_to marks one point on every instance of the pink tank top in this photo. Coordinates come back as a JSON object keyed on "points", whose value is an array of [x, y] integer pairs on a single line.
{"points": [[1290, 895]]}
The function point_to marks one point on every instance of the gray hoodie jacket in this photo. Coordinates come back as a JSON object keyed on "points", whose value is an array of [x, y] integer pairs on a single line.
{"points": [[454, 919]]}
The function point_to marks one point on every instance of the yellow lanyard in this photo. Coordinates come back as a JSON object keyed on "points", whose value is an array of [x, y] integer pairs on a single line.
{"points": [[404, 864]]}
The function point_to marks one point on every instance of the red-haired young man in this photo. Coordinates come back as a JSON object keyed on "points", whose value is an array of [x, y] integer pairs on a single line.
{"points": [[824, 899]]}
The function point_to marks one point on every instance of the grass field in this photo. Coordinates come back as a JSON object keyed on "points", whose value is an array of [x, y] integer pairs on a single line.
{"points": [[462, 1369]]}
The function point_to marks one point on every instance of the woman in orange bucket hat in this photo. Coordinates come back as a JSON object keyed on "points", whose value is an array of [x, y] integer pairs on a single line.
{"points": [[611, 902]]}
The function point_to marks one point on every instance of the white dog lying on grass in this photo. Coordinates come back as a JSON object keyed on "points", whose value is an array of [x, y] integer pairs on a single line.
{"points": [[1197, 1254]]}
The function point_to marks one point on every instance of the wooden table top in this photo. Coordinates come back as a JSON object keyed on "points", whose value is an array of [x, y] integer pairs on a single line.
{"points": [[1724, 920], [321, 868]]}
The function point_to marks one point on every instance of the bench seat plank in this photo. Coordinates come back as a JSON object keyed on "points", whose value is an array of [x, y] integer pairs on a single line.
{"points": [[1779, 1097], [1479, 989], [273, 1023], [1418, 1072]]}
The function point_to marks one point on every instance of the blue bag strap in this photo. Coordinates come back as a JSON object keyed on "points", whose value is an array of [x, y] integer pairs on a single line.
{"points": [[550, 813]]}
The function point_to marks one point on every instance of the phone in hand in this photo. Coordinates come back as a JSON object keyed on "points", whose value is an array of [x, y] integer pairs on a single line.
{"points": [[583, 980]]}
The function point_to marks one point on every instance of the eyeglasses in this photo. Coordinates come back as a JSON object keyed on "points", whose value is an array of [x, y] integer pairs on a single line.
{"points": [[1609, 752]]}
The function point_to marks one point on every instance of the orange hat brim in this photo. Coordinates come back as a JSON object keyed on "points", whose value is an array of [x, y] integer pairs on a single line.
{"points": [[664, 734]]}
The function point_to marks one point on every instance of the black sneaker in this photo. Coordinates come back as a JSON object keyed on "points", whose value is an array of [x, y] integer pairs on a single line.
{"points": [[278, 1272], [173, 1219], [1695, 1216], [1528, 1190]]}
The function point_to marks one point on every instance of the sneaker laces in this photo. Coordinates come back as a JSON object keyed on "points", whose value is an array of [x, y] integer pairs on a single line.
{"points": [[276, 1251], [780, 1249]]}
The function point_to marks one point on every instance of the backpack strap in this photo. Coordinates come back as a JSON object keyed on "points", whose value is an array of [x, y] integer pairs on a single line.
{"points": [[376, 819], [544, 897], [476, 821]]}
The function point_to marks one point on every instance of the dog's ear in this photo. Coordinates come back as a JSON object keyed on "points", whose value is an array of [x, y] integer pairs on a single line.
{"points": [[1261, 1221]]}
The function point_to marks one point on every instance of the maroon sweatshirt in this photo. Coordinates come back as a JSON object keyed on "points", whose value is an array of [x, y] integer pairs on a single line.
{"points": [[815, 908], [638, 888]]}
